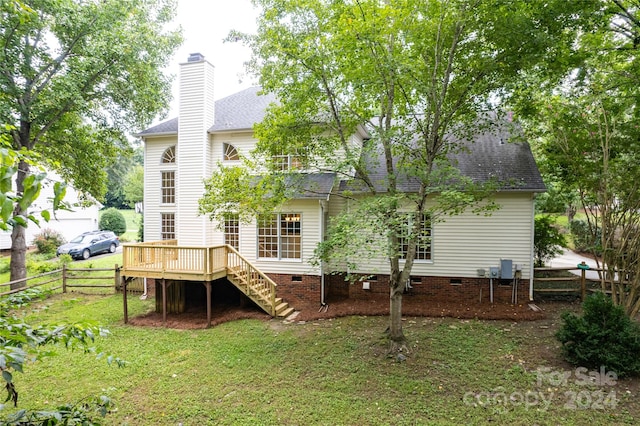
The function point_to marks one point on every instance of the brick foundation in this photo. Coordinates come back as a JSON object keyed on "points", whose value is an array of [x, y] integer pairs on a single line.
{"points": [[444, 289], [304, 290]]}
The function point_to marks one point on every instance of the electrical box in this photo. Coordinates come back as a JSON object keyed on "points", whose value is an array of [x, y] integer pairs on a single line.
{"points": [[506, 269], [494, 272], [366, 285], [481, 272]]}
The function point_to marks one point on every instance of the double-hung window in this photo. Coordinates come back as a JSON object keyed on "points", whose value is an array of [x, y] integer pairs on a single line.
{"points": [[422, 239], [279, 236], [168, 226], [232, 230]]}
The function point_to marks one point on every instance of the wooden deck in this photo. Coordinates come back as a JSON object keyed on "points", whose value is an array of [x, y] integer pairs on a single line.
{"points": [[165, 260]]}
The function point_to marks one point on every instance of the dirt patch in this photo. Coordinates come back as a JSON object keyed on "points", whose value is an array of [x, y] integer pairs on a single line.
{"points": [[416, 306]]}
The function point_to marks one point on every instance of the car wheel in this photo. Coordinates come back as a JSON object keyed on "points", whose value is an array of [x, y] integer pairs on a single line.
{"points": [[86, 254], [112, 248]]}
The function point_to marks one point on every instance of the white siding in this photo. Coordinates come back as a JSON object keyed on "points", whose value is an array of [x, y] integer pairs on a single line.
{"points": [[465, 243], [196, 116], [310, 217], [153, 150]]}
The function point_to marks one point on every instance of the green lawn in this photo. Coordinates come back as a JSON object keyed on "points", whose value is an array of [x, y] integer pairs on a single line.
{"points": [[331, 372]]}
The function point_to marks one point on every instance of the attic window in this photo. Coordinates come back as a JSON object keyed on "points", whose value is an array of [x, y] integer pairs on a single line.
{"points": [[169, 155], [230, 152]]}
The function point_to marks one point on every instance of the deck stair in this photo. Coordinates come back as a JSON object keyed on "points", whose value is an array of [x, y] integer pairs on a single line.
{"points": [[256, 285]]}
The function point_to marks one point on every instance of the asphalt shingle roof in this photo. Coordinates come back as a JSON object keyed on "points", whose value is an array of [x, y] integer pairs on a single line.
{"points": [[490, 155], [239, 111]]}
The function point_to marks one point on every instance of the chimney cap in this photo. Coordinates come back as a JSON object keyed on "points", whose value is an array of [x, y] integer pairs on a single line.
{"points": [[195, 57]]}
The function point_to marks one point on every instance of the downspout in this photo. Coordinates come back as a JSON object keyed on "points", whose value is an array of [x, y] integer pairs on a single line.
{"points": [[323, 206], [531, 260]]}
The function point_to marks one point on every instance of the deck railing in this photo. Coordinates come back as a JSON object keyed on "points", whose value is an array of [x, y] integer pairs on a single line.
{"points": [[165, 259], [157, 258]]}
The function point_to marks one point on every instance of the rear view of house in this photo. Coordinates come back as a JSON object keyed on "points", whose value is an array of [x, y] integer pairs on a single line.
{"points": [[466, 256]]}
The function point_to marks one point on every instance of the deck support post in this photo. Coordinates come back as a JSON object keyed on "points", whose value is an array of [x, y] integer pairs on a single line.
{"points": [[164, 301], [207, 284]]}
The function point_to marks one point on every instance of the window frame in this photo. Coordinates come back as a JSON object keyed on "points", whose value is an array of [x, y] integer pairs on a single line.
{"points": [[231, 228], [282, 239], [169, 155], [424, 252], [167, 192], [226, 147], [167, 226]]}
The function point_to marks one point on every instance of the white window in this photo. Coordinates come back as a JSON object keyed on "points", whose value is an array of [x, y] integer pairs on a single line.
{"points": [[168, 231], [168, 187], [232, 230], [279, 236], [287, 162], [230, 152], [169, 155], [423, 240]]}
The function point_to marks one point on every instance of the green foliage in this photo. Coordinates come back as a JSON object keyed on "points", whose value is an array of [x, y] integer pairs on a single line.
{"points": [[141, 228], [4, 264], [133, 186], [90, 411], [603, 336], [585, 237], [548, 240], [48, 240], [112, 220]]}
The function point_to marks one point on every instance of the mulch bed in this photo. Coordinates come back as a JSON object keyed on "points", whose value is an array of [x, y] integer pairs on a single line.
{"points": [[414, 306]]}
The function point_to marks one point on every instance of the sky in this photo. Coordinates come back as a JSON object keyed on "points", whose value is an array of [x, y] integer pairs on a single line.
{"points": [[205, 24]]}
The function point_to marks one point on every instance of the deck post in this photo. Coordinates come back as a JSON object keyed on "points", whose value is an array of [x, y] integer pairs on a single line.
{"points": [[164, 301], [124, 300], [207, 284]]}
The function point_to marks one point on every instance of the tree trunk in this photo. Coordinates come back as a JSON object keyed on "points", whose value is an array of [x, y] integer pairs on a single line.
{"points": [[398, 343], [18, 264]]}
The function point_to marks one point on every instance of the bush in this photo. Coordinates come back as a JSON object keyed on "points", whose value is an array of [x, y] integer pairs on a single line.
{"points": [[604, 336], [48, 240], [583, 238], [113, 220], [548, 241]]}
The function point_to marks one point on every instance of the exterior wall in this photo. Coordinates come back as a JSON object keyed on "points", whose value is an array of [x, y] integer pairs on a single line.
{"points": [[153, 150], [465, 243], [196, 116], [298, 290], [310, 216]]}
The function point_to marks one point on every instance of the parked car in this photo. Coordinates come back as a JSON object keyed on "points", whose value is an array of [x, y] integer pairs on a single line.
{"points": [[89, 243]]}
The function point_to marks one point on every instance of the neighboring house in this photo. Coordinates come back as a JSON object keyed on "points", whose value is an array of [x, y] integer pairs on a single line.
{"points": [[83, 216], [180, 153]]}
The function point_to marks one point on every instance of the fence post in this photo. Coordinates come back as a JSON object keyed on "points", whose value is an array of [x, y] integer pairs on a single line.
{"points": [[64, 278], [117, 277]]}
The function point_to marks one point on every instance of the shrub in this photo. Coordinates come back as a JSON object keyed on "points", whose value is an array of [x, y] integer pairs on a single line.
{"points": [[604, 336], [548, 241], [583, 238], [48, 240], [5, 264], [113, 220]]}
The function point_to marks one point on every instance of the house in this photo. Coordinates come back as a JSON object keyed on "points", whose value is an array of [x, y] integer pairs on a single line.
{"points": [[82, 217], [467, 255]]}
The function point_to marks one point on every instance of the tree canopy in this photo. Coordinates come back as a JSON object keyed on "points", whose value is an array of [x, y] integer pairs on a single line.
{"points": [[417, 74], [75, 77]]}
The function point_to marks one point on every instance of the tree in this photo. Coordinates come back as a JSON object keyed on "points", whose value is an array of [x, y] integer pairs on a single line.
{"points": [[74, 78], [418, 74], [547, 240], [588, 139], [133, 185]]}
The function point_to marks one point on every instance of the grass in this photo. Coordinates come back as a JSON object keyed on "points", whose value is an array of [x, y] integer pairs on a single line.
{"points": [[331, 372]]}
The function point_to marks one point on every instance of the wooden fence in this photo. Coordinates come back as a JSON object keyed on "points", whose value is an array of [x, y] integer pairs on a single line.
{"points": [[69, 279], [553, 281]]}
